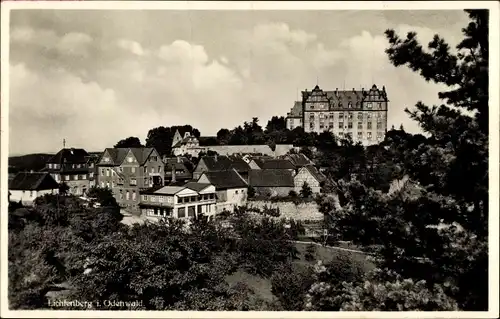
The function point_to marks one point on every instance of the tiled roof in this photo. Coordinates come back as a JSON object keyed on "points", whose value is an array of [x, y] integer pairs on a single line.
{"points": [[277, 164], [119, 154], [270, 178], [198, 187], [315, 173], [225, 179], [33, 181], [338, 98], [296, 110], [298, 160], [69, 155], [222, 162]]}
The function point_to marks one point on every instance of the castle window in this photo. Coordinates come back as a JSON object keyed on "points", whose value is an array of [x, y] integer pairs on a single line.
{"points": [[360, 125], [341, 125], [369, 125], [360, 115], [349, 124], [369, 105], [349, 105], [369, 135]]}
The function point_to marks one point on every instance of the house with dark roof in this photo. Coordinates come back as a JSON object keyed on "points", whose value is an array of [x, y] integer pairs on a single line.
{"points": [[231, 188], [271, 182], [298, 160], [221, 163], [126, 171], [70, 165], [310, 175], [176, 170], [182, 202], [279, 164], [360, 114], [92, 161], [256, 162], [25, 187]]}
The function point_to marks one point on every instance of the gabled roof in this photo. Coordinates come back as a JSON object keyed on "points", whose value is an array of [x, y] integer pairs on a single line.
{"points": [[185, 140], [118, 154], [277, 164], [225, 179], [70, 156], [222, 162], [298, 160], [315, 173], [198, 187], [33, 181], [270, 178], [296, 110]]}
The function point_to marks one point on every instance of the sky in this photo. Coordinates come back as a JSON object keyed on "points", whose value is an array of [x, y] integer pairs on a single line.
{"points": [[93, 77]]}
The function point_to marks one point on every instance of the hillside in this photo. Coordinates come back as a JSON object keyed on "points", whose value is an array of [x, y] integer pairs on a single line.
{"points": [[28, 162]]}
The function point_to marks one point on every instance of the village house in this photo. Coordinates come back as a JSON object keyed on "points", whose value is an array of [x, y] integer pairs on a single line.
{"points": [[176, 170], [128, 170], [279, 164], [189, 145], [310, 175], [70, 165], [221, 163], [256, 162], [298, 160], [232, 189], [185, 201], [271, 182], [25, 187]]}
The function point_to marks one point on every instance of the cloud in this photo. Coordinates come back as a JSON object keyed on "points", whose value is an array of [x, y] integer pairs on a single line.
{"points": [[131, 46], [74, 44], [119, 87]]}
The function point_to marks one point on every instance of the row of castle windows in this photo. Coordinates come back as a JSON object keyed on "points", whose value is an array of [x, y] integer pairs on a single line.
{"points": [[349, 115], [369, 125], [368, 105]]}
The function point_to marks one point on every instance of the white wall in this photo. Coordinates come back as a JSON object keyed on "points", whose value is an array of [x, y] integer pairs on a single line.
{"points": [[27, 197]]}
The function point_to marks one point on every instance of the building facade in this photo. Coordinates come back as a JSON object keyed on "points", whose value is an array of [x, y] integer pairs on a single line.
{"points": [[360, 114], [126, 171], [70, 166], [310, 175], [231, 188], [26, 187], [179, 201]]}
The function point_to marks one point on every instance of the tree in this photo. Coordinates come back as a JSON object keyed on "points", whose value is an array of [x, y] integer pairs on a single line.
{"points": [[103, 196], [430, 226], [251, 191], [290, 285], [162, 265], [306, 190], [223, 136], [161, 137], [63, 189], [131, 141], [276, 124], [310, 252]]}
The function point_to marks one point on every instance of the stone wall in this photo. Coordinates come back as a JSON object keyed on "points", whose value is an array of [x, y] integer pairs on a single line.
{"points": [[302, 211]]}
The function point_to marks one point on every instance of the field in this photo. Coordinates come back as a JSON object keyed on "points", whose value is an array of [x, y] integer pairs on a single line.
{"points": [[262, 286]]}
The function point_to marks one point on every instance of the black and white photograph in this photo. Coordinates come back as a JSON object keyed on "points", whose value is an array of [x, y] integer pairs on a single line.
{"points": [[264, 158]]}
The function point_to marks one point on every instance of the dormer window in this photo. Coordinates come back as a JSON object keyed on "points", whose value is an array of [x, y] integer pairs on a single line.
{"points": [[130, 159], [369, 105], [349, 105]]}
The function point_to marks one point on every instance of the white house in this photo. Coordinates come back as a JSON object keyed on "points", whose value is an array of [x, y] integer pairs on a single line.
{"points": [[179, 201], [232, 189], [26, 187]]}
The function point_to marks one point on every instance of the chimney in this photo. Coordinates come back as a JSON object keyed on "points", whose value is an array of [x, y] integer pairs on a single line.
{"points": [[173, 180], [336, 91], [353, 89], [215, 157]]}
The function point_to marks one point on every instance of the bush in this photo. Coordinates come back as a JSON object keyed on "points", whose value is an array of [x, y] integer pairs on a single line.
{"points": [[251, 192], [292, 194], [310, 254], [306, 190]]}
